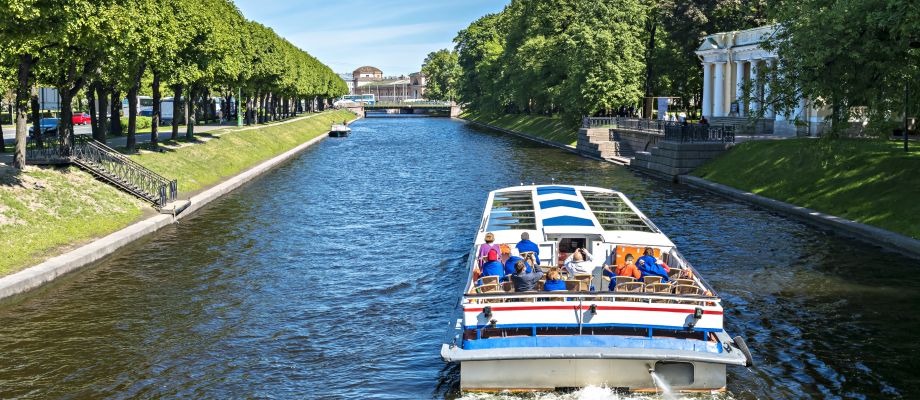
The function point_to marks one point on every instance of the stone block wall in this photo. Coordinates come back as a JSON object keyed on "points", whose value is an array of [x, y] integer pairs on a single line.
{"points": [[670, 159]]}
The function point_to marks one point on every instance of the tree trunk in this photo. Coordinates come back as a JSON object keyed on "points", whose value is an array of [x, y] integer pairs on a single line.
{"points": [[65, 126], [177, 97], [103, 97], [36, 117], [155, 117], [190, 112], [23, 71], [132, 106], [247, 121], [116, 113], [93, 118]]}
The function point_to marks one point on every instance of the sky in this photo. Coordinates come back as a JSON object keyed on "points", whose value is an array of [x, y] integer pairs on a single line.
{"points": [[393, 35]]}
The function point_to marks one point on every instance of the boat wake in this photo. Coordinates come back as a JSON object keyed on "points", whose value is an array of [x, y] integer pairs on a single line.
{"points": [[593, 393]]}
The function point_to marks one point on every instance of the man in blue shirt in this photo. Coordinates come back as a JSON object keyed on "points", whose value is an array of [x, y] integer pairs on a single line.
{"points": [[515, 257], [648, 266], [493, 267], [525, 245]]}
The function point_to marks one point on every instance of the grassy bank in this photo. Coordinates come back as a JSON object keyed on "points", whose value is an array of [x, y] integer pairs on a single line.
{"points": [[43, 209], [551, 129], [225, 153], [869, 181], [47, 211]]}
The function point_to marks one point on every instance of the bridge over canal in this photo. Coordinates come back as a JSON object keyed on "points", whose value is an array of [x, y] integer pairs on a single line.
{"points": [[414, 108]]}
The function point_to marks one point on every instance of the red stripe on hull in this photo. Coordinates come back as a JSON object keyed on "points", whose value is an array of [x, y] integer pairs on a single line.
{"points": [[609, 308]]}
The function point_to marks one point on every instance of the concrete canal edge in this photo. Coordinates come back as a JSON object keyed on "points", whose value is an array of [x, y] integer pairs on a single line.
{"points": [[565, 147], [870, 234], [38, 275]]}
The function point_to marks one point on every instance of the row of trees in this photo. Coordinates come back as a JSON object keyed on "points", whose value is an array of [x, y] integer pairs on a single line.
{"points": [[188, 48], [579, 57], [859, 58]]}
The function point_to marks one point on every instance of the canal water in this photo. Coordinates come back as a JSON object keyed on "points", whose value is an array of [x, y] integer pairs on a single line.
{"points": [[334, 276]]}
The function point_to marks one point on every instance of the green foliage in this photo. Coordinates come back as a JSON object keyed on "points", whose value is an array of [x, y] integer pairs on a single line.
{"points": [[204, 164], [142, 123], [853, 56], [442, 71], [572, 57], [868, 181], [551, 129]]}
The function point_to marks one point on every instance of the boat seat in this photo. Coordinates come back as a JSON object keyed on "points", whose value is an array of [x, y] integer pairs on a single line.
{"points": [[488, 288], [687, 289], [539, 286], [624, 279], [674, 273], [585, 280], [685, 282], [507, 286], [573, 285], [659, 288], [648, 280], [489, 280], [632, 287]]}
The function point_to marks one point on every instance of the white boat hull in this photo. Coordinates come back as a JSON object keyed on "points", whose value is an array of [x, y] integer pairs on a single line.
{"points": [[552, 374]]}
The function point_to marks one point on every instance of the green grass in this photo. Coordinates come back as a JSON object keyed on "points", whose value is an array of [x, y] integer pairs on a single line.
{"points": [[43, 209], [870, 181], [47, 211], [552, 129], [229, 152]]}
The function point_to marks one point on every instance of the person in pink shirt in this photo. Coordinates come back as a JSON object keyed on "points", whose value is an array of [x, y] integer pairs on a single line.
{"points": [[485, 247]]}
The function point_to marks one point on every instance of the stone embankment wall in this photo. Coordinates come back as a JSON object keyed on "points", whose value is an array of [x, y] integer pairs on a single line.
{"points": [[619, 145], [669, 159]]}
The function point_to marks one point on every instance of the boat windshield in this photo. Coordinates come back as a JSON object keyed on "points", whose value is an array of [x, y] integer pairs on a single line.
{"points": [[614, 214], [512, 210]]}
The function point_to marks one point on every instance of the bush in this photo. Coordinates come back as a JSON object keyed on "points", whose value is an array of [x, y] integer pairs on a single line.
{"points": [[142, 123]]}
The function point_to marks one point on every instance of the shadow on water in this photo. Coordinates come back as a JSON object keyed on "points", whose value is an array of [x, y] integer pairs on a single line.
{"points": [[334, 277]]}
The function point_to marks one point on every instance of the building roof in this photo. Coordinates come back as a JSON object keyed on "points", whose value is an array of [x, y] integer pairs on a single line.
{"points": [[367, 69]]}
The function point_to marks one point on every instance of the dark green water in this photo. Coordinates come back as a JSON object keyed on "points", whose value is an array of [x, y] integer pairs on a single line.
{"points": [[334, 276]]}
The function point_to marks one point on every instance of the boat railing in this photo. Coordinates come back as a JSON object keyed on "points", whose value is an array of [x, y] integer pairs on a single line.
{"points": [[587, 297]]}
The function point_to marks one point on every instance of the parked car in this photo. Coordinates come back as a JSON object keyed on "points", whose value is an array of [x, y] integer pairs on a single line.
{"points": [[48, 126], [81, 119]]}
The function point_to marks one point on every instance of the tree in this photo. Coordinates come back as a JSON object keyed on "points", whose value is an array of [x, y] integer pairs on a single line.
{"points": [[852, 56], [442, 71]]}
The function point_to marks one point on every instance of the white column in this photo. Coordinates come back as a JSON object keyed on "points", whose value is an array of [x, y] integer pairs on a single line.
{"points": [[739, 86], [718, 95], [707, 90], [768, 65], [755, 87]]}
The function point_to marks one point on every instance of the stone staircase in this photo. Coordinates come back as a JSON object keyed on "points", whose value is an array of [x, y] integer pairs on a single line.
{"points": [[107, 165], [595, 142]]}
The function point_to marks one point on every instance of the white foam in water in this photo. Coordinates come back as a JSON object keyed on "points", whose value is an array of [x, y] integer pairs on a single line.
{"points": [[663, 386]]}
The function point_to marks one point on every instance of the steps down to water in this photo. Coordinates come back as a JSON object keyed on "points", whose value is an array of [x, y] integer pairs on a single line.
{"points": [[669, 159], [596, 142]]}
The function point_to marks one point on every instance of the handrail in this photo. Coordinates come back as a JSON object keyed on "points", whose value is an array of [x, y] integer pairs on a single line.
{"points": [[593, 295], [108, 163]]}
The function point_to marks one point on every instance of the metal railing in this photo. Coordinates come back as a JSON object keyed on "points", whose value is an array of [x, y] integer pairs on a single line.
{"points": [[635, 124], [700, 133], [108, 164]]}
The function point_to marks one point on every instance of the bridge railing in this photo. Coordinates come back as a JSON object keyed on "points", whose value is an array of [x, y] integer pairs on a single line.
{"points": [[635, 124]]}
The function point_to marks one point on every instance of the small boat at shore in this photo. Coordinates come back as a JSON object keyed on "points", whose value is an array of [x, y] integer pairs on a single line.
{"points": [[643, 335], [339, 130]]}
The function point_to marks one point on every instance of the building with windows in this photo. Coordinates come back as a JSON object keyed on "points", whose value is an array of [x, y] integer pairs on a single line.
{"points": [[370, 80], [732, 60]]}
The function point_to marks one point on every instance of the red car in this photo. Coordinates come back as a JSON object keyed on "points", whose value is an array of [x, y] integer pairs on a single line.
{"points": [[80, 119]]}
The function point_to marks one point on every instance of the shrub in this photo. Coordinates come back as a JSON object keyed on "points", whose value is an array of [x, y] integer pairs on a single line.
{"points": [[142, 123]]}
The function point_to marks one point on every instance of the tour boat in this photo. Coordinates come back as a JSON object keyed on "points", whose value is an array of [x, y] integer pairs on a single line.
{"points": [[339, 130], [641, 336]]}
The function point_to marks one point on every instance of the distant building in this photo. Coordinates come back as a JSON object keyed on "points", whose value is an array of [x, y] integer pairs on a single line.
{"points": [[349, 80], [370, 80]]}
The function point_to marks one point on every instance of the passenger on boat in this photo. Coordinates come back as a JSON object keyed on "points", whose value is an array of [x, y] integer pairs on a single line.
{"points": [[579, 262], [493, 267], [525, 281], [627, 269], [525, 245], [648, 266], [554, 280], [485, 247], [512, 260]]}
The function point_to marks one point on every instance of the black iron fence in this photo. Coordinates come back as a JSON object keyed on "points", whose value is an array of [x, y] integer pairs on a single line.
{"points": [[106, 163], [700, 133]]}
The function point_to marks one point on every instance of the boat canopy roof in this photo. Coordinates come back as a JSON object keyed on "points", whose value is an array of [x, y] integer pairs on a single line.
{"points": [[545, 210]]}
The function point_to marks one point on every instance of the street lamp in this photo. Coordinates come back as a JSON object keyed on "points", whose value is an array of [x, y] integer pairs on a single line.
{"points": [[913, 45]]}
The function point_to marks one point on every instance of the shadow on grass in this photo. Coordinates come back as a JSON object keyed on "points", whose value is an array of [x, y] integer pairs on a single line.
{"points": [[9, 176]]}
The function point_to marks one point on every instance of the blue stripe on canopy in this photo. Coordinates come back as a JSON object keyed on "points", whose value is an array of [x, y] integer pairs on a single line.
{"points": [[556, 189], [567, 220], [561, 203]]}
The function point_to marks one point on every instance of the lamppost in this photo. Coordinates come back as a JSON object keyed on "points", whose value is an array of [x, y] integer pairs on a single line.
{"points": [[914, 44]]}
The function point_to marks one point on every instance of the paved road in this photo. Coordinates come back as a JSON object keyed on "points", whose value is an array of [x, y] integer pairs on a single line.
{"points": [[9, 134]]}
